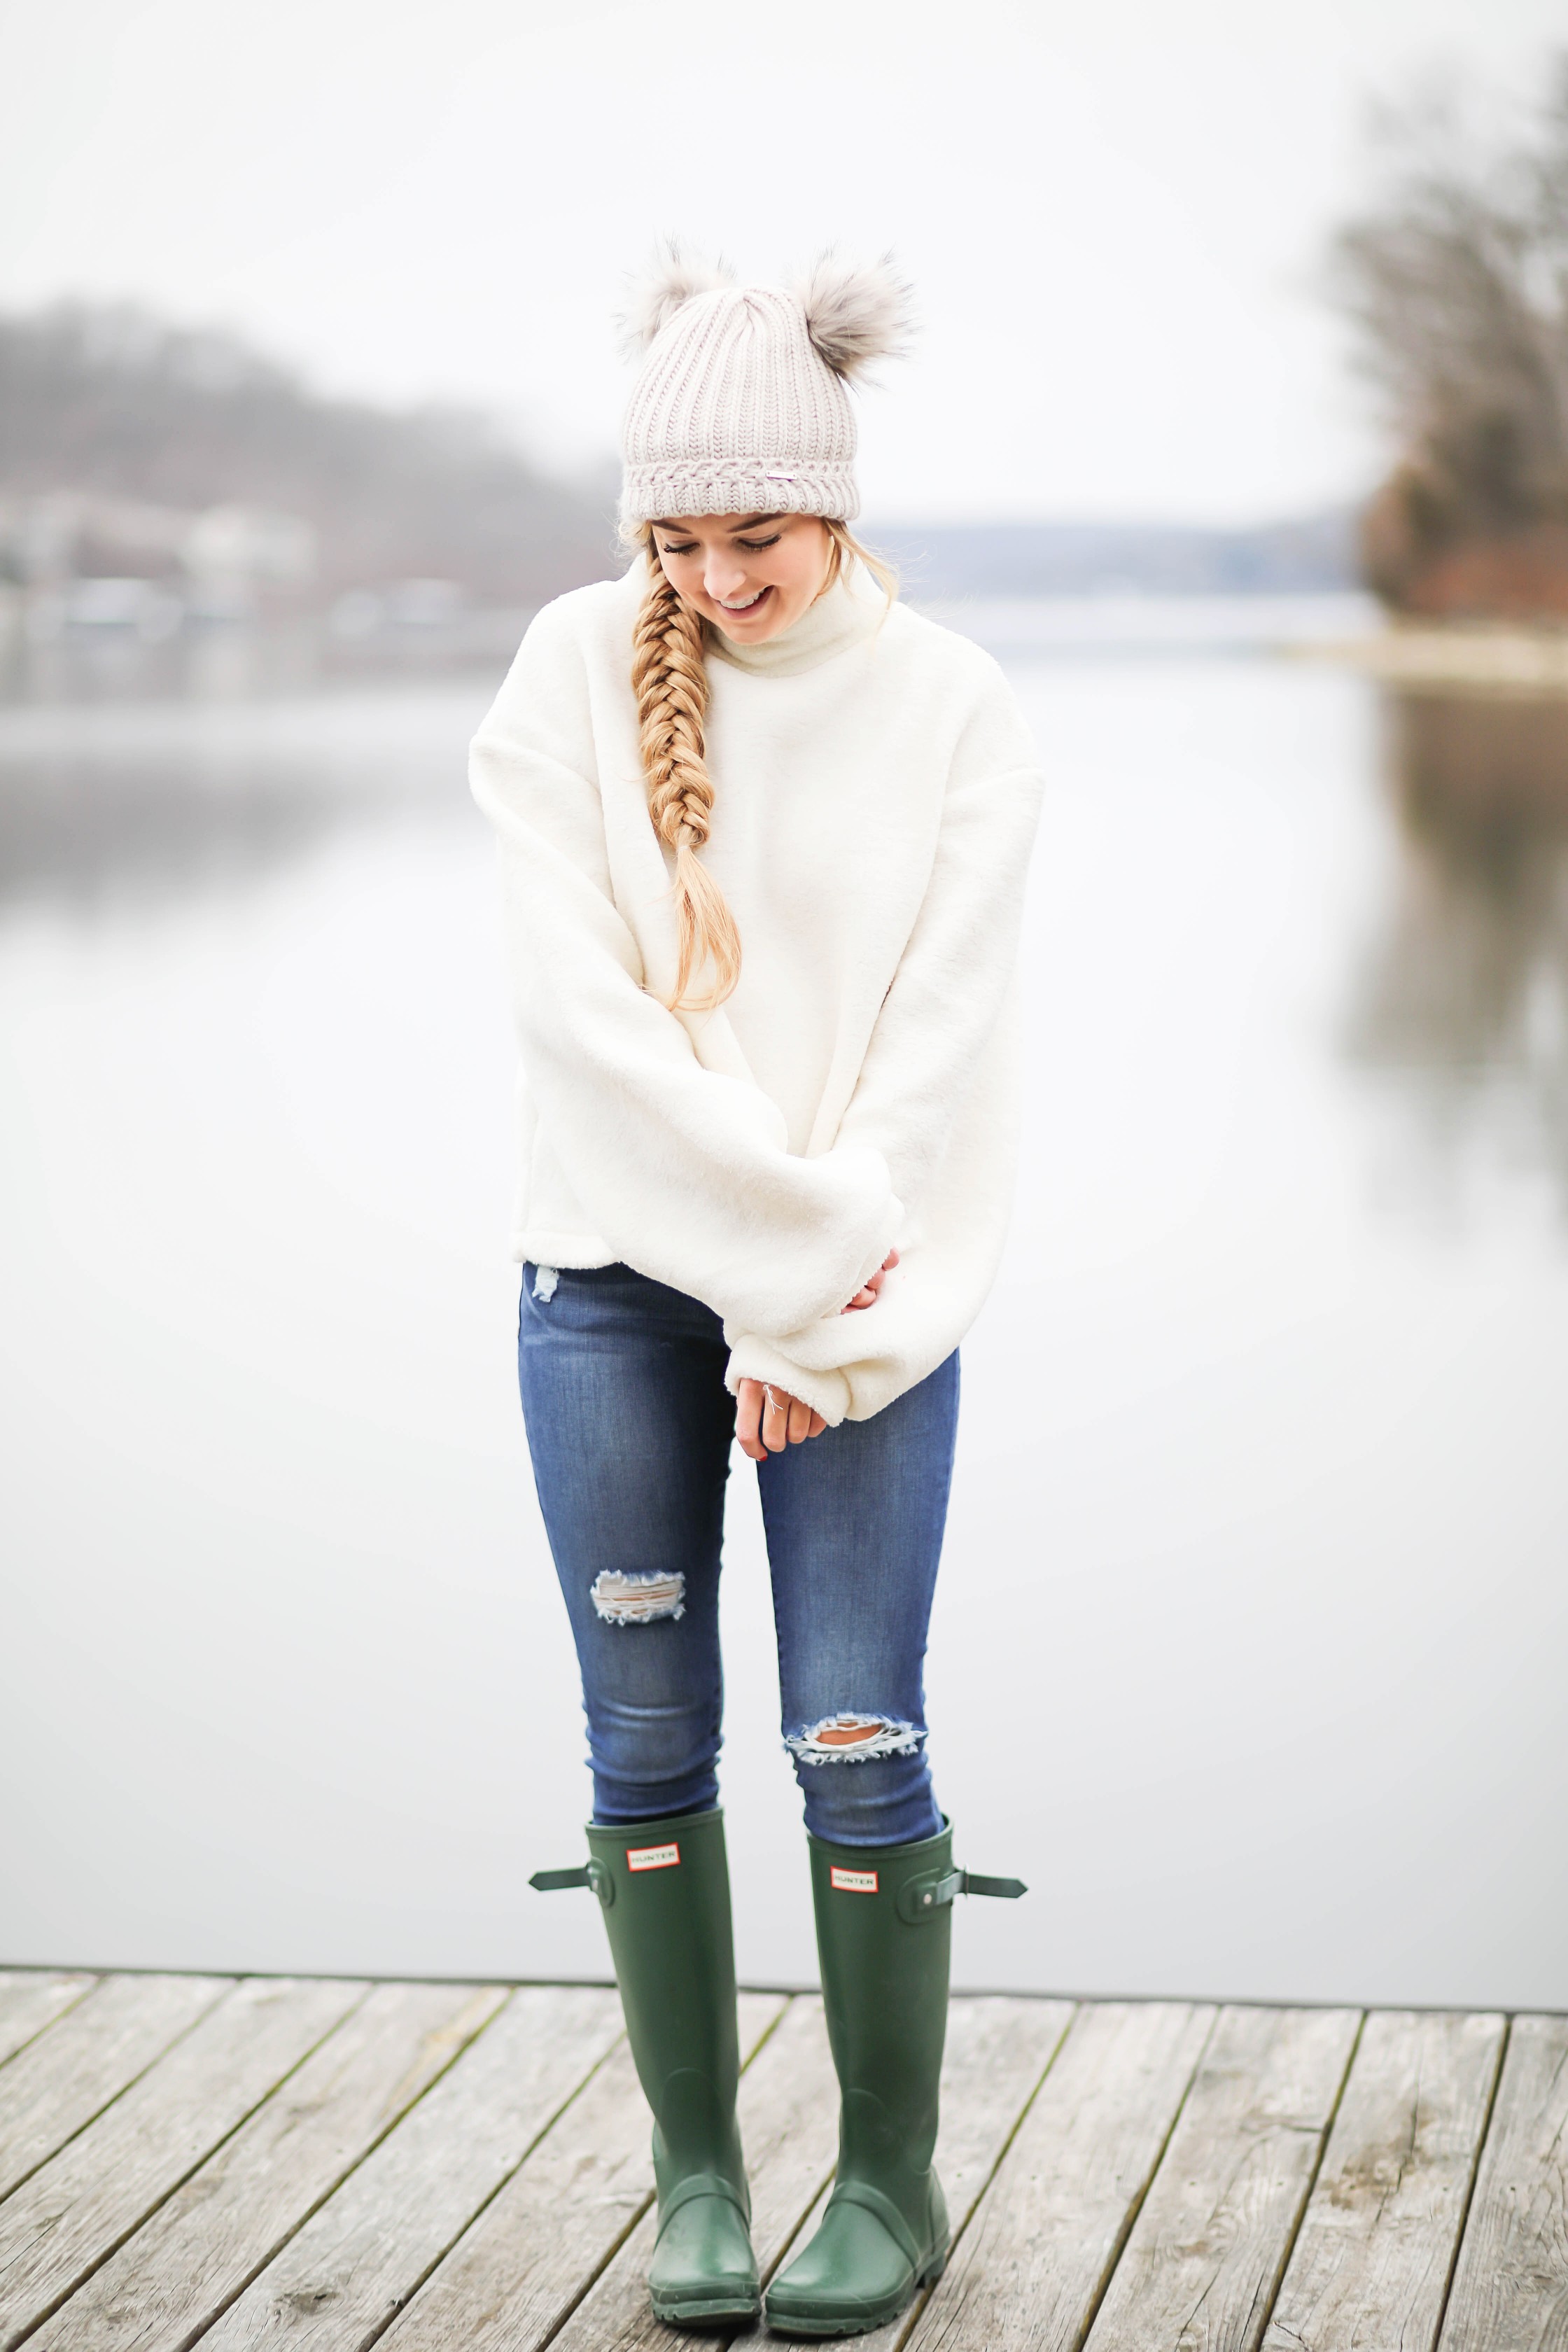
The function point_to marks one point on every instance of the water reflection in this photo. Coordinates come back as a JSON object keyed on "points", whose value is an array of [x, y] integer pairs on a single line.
{"points": [[108, 664], [1463, 1001], [152, 799], [146, 768]]}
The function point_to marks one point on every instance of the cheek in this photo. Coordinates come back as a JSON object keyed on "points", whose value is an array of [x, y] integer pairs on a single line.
{"points": [[804, 568]]}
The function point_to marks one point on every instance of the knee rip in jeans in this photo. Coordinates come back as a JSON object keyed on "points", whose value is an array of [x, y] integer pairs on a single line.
{"points": [[853, 1739], [623, 1599]]}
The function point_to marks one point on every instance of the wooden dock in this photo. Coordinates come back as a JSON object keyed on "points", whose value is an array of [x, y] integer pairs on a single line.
{"points": [[249, 2163]]}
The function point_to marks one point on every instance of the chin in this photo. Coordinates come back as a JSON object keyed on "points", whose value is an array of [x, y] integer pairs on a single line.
{"points": [[769, 625]]}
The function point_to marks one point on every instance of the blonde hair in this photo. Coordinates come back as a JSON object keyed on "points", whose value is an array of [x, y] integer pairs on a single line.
{"points": [[669, 678]]}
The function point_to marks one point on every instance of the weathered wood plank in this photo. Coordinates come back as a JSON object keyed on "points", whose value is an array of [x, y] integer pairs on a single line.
{"points": [[32, 1999], [352, 2268], [1511, 2284], [55, 2087], [1208, 2249], [756, 2015], [73, 2212], [1375, 2253], [1033, 2263], [997, 2049], [509, 2283], [203, 2246], [789, 2126]]}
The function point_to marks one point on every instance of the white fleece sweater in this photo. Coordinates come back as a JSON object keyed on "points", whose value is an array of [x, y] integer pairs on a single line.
{"points": [[875, 795]]}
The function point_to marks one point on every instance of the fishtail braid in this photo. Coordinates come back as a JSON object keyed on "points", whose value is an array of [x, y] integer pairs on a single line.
{"points": [[669, 678]]}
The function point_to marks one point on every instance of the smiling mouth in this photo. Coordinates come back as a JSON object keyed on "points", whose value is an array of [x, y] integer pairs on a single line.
{"points": [[750, 606]]}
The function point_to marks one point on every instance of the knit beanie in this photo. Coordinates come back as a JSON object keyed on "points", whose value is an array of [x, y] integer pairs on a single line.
{"points": [[741, 404]]}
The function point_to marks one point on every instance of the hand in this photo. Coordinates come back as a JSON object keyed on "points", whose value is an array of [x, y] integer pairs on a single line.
{"points": [[867, 1298], [767, 1418]]}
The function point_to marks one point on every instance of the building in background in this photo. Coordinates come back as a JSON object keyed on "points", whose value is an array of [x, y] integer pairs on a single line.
{"points": [[150, 475]]}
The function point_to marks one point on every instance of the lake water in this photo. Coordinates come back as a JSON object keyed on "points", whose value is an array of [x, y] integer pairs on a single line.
{"points": [[1250, 1649]]}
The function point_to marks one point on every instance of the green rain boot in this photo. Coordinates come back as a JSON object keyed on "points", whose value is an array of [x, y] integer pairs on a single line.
{"points": [[664, 1887], [884, 1932]]}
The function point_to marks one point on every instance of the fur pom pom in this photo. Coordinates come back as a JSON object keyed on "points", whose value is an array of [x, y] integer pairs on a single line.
{"points": [[654, 299], [856, 312]]}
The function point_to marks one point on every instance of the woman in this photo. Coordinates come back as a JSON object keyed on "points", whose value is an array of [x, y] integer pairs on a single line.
{"points": [[763, 837]]}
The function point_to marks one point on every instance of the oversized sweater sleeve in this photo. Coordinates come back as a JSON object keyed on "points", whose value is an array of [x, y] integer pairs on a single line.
{"points": [[957, 968], [941, 1011], [683, 1170]]}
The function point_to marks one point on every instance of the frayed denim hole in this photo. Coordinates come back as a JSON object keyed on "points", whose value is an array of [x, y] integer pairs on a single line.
{"points": [[623, 1599], [545, 1278], [883, 1735]]}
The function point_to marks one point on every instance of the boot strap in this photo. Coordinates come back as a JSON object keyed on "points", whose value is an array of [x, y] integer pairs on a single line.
{"points": [[702, 2184], [919, 1897], [860, 2193], [587, 1873]]}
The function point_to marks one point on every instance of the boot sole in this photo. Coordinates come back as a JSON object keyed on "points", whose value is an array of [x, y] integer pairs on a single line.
{"points": [[704, 2311], [820, 2329]]}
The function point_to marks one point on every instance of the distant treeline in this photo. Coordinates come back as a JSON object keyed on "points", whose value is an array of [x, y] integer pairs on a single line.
{"points": [[111, 403], [1456, 281], [1027, 559], [130, 446]]}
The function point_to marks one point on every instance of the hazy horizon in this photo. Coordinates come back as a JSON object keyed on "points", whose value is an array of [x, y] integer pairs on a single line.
{"points": [[1116, 230]]}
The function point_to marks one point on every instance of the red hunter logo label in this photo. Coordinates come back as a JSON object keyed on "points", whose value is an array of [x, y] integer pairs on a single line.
{"points": [[652, 1857]]}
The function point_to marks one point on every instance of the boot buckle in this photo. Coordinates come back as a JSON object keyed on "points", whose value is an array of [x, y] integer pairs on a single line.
{"points": [[587, 1873], [921, 1899]]}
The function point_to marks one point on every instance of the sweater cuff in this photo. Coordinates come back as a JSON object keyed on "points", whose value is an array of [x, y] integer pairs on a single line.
{"points": [[754, 1359]]}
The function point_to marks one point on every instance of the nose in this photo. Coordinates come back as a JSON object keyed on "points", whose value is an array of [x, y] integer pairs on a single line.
{"points": [[723, 578]]}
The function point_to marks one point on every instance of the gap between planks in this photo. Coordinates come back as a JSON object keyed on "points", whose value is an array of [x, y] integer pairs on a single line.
{"points": [[980, 2118], [543, 2245]]}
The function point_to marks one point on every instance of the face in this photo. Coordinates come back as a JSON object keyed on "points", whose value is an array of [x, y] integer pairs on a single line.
{"points": [[750, 575]]}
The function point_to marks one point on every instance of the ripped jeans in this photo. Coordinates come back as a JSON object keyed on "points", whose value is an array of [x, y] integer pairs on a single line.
{"points": [[630, 1427]]}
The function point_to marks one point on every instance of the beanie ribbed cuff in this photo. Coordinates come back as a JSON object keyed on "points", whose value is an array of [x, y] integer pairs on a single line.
{"points": [[662, 492]]}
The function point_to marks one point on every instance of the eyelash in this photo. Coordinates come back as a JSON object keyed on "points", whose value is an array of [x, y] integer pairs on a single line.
{"points": [[753, 546]]}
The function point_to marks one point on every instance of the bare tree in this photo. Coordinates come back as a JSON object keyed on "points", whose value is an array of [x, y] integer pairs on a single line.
{"points": [[1456, 279]]}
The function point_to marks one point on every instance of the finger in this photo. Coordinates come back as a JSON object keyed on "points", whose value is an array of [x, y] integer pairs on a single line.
{"points": [[775, 1421], [861, 1298], [748, 1411], [817, 1425], [799, 1422], [891, 1260]]}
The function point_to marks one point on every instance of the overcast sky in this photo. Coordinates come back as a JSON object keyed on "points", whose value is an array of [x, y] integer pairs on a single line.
{"points": [[1114, 215]]}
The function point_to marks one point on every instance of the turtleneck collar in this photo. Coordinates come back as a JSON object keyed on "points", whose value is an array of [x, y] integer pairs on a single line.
{"points": [[845, 617]]}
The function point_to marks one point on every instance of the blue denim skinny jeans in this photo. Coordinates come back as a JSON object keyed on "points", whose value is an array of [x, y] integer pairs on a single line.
{"points": [[630, 1428]]}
